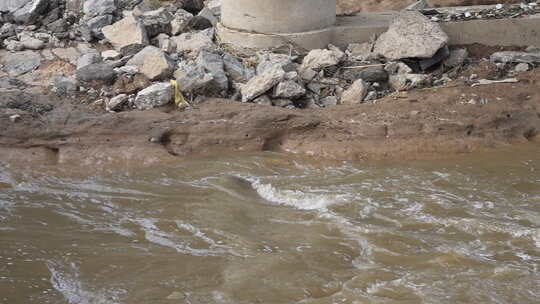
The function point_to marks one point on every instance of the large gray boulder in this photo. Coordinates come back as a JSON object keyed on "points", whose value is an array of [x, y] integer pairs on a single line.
{"points": [[126, 32], [153, 63], [29, 13], [96, 72], [154, 96], [192, 77], [213, 64], [411, 35]]}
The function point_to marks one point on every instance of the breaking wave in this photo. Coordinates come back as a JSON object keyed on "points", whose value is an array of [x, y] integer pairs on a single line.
{"points": [[297, 198]]}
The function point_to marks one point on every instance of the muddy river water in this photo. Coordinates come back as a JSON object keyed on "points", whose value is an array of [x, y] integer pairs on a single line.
{"points": [[273, 228]]}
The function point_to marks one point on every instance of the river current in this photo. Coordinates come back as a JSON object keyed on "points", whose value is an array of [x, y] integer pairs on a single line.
{"points": [[274, 228]]}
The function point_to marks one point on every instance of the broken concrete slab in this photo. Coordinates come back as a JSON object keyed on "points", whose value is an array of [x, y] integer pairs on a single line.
{"points": [[320, 58], [194, 42], [153, 63], [192, 77], [411, 35], [214, 65], [289, 89], [267, 60], [156, 95], [116, 33], [262, 83]]}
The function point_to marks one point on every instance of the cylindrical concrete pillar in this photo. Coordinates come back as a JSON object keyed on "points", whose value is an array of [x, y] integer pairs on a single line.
{"points": [[278, 16], [257, 23]]}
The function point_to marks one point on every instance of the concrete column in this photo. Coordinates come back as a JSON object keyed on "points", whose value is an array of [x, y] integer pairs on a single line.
{"points": [[270, 23]]}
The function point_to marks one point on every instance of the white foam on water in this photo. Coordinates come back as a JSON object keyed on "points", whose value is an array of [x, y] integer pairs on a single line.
{"points": [[65, 278], [99, 225], [296, 198], [196, 232], [6, 209], [154, 235], [536, 238]]}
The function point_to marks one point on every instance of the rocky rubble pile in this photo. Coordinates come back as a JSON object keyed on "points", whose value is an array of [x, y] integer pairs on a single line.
{"points": [[499, 11], [125, 53]]}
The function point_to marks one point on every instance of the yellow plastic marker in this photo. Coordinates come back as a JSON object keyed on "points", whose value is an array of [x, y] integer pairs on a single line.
{"points": [[178, 97]]}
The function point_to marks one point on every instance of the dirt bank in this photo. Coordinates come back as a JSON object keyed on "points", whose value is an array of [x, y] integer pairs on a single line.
{"points": [[429, 123]]}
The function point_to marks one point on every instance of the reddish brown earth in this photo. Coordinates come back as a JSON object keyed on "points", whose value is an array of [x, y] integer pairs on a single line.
{"points": [[428, 123]]}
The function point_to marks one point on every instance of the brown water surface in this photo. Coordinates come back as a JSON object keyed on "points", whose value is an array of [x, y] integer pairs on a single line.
{"points": [[270, 228]]}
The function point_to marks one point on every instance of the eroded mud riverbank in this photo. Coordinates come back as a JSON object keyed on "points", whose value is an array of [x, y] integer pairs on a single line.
{"points": [[430, 123]]}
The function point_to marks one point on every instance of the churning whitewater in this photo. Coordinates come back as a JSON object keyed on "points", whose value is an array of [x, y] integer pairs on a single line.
{"points": [[270, 229]]}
